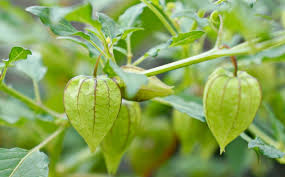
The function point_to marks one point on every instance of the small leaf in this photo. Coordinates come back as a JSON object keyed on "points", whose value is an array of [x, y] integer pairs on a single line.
{"points": [[121, 50], [192, 109], [93, 52], [273, 54], [61, 28], [264, 149], [17, 53], [81, 14], [18, 162], [186, 38], [277, 126], [153, 52], [132, 81], [126, 32], [131, 15], [33, 66], [109, 27]]}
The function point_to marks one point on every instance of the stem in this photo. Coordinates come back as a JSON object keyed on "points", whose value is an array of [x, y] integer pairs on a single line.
{"points": [[37, 92], [98, 48], [234, 60], [163, 18], [96, 66], [215, 53], [129, 48], [220, 1], [37, 148], [28, 101], [141, 59], [245, 137], [2, 76], [255, 130], [220, 33]]}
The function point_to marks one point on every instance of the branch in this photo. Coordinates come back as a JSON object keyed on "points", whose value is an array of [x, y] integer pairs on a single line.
{"points": [[28, 101], [240, 49]]}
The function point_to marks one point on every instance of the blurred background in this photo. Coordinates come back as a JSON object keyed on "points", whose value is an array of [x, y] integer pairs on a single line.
{"points": [[157, 151]]}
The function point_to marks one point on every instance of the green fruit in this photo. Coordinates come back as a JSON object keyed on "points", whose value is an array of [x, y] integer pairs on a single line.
{"points": [[193, 133], [154, 87], [230, 104], [121, 135], [92, 105]]}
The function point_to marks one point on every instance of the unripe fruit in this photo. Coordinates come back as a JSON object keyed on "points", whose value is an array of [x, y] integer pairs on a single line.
{"points": [[154, 87], [92, 105], [121, 134], [230, 104]]}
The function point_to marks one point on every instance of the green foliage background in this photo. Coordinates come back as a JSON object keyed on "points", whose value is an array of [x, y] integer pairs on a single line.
{"points": [[156, 151]]}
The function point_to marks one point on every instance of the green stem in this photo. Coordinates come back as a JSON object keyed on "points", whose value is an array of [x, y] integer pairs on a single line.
{"points": [[139, 60], [255, 130], [2, 76], [245, 137], [216, 53], [37, 92], [220, 1], [166, 22], [220, 33], [37, 148], [98, 48], [28, 101], [129, 48]]}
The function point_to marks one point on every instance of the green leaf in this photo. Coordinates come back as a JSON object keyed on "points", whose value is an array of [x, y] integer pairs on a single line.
{"points": [[17, 53], [192, 109], [53, 15], [127, 31], [132, 81], [121, 50], [274, 54], [12, 111], [131, 15], [61, 28], [33, 66], [153, 52], [18, 162], [81, 14], [93, 52], [277, 126], [186, 38], [109, 27], [202, 22], [264, 149]]}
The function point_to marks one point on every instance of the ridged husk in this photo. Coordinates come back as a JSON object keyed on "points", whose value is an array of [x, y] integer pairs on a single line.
{"points": [[92, 105], [230, 104], [154, 87], [121, 134]]}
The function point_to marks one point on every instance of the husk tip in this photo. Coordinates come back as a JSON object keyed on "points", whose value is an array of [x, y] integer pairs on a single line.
{"points": [[222, 150]]}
